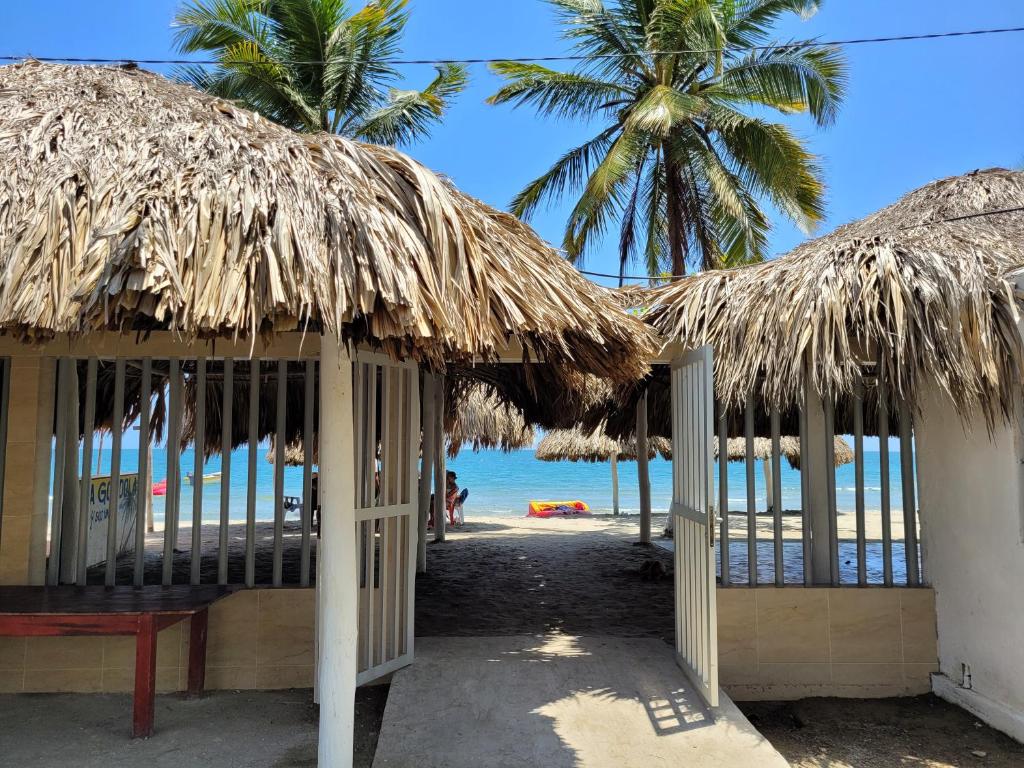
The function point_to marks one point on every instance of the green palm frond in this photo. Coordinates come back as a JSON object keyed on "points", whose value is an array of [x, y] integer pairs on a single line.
{"points": [[409, 115], [562, 94]]}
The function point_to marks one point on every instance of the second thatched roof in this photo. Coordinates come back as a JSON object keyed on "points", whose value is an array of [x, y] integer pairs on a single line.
{"points": [[476, 416], [789, 448], [132, 203], [916, 291], [575, 445]]}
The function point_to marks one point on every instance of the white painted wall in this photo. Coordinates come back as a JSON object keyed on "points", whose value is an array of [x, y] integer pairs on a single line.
{"points": [[971, 520]]}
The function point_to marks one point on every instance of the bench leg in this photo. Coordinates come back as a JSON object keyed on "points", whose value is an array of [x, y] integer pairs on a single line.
{"points": [[145, 678], [197, 652]]}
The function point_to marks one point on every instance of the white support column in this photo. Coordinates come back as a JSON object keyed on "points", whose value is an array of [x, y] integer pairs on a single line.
{"points": [[440, 476], [429, 445], [813, 462], [338, 581], [642, 470], [615, 484], [69, 525]]}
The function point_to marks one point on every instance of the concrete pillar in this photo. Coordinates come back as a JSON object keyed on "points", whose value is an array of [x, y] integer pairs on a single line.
{"points": [[615, 484], [440, 476], [813, 462], [429, 445], [26, 488], [339, 619], [642, 470]]}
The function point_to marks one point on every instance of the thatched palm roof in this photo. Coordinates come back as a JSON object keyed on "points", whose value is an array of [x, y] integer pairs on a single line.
{"points": [[789, 447], [576, 445], [294, 456], [129, 202], [927, 299], [478, 417]]}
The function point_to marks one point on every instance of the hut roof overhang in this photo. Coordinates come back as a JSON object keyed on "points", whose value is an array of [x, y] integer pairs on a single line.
{"points": [[132, 203], [923, 289]]}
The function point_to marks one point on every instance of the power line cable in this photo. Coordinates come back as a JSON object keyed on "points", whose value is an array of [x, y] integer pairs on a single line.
{"points": [[951, 219], [530, 59]]}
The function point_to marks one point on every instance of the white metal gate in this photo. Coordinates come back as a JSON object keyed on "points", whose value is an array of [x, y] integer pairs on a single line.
{"points": [[694, 520], [387, 440]]}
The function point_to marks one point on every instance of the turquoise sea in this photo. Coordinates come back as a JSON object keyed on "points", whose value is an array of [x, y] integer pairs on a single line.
{"points": [[505, 483]]}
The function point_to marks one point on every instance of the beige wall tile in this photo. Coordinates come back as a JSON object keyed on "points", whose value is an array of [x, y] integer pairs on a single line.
{"points": [[867, 674], [271, 678], [792, 625], [12, 653], [917, 609], [233, 630], [15, 546], [797, 673], [54, 653], [738, 674], [119, 652], [19, 482], [11, 680], [864, 625], [64, 680], [737, 636], [120, 680], [286, 627], [230, 678]]}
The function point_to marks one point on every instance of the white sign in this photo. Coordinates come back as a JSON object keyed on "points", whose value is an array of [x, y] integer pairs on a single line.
{"points": [[99, 515]]}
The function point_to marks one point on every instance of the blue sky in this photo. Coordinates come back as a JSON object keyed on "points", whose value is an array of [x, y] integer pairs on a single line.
{"points": [[915, 111]]}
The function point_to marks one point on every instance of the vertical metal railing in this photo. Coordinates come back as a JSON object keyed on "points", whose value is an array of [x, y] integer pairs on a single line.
{"points": [[748, 433]]}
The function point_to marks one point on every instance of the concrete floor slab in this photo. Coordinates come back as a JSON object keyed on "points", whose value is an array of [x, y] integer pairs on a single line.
{"points": [[558, 701]]}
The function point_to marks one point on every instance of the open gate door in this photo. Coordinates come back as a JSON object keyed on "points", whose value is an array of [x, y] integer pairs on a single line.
{"points": [[386, 413], [694, 520]]}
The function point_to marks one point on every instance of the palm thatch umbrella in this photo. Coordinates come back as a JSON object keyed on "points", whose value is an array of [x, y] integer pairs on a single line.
{"points": [[595, 446], [131, 203], [917, 291], [479, 417]]}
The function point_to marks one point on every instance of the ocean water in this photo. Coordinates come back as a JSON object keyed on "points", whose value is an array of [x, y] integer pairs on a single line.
{"points": [[505, 483]]}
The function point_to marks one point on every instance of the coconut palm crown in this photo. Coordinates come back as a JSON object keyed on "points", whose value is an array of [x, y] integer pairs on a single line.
{"points": [[314, 65], [680, 163]]}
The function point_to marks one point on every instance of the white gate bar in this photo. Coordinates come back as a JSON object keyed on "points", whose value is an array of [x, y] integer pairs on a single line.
{"points": [[279, 441], [387, 427], [440, 478], [172, 499], [412, 521], [748, 428], [307, 470], [198, 454], [372, 440], [250, 501], [909, 496], [114, 488], [830, 486], [858, 449], [226, 438], [370, 558], [776, 491], [5, 401], [145, 489], [723, 492], [883, 473], [84, 491], [805, 499], [59, 464]]}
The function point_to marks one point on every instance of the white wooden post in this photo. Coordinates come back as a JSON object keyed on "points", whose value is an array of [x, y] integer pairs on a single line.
{"points": [[766, 466], [338, 582], [642, 470], [615, 484], [812, 461], [71, 487], [440, 476], [429, 445]]}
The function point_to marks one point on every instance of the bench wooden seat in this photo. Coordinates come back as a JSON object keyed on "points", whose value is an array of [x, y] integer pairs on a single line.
{"points": [[138, 611]]}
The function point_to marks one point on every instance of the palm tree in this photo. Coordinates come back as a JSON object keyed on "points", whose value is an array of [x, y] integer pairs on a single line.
{"points": [[677, 163], [312, 65]]}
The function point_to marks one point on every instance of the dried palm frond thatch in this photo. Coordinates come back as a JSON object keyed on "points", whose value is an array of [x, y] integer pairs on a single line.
{"points": [[916, 291], [576, 445], [478, 417], [789, 448], [131, 203]]}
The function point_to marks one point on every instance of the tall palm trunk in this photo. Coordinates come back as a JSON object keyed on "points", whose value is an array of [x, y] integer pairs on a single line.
{"points": [[674, 204]]}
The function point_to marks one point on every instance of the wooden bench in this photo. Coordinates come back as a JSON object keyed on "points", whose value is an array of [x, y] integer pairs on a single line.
{"points": [[138, 611]]}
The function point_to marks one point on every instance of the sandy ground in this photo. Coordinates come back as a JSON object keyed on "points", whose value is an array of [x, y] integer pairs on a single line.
{"points": [[924, 732], [513, 576]]}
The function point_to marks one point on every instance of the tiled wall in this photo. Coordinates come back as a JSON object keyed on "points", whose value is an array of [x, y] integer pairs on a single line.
{"points": [[261, 638], [793, 643], [773, 643]]}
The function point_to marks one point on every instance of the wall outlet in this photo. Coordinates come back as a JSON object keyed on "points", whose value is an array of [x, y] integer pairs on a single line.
{"points": [[965, 676]]}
